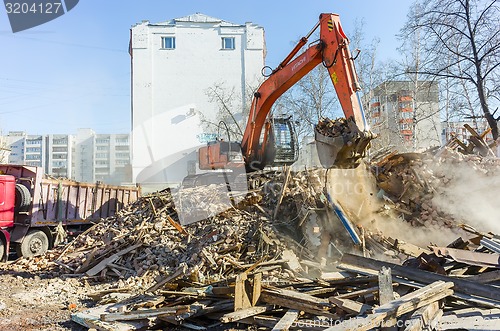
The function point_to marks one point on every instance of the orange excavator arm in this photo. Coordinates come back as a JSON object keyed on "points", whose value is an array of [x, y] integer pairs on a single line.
{"points": [[333, 52]]}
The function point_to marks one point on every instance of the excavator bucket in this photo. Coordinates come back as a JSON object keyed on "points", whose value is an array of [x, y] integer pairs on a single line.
{"points": [[340, 144]]}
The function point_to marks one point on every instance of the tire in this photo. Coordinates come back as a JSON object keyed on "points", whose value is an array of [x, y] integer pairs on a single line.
{"points": [[34, 243], [23, 199]]}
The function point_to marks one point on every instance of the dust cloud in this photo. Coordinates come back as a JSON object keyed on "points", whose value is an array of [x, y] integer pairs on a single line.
{"points": [[357, 193], [471, 194]]}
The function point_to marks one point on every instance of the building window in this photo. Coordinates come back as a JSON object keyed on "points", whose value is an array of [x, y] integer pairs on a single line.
{"points": [[227, 42], [61, 141], [102, 141], [122, 155], [121, 140], [102, 155], [168, 42]]}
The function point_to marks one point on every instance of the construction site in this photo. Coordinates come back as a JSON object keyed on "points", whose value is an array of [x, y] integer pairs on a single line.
{"points": [[366, 240]]}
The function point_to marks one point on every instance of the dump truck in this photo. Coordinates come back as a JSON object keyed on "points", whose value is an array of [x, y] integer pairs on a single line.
{"points": [[37, 212]]}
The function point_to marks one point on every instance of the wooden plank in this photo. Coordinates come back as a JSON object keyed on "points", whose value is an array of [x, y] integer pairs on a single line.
{"points": [[357, 293], [461, 285], [104, 263], [140, 314], [283, 188], [241, 297], [257, 288], [385, 289], [423, 317], [179, 272], [407, 303], [298, 301], [350, 306], [90, 318], [386, 295], [286, 321], [243, 313]]}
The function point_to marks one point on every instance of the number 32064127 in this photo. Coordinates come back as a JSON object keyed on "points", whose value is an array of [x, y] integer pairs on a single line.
{"points": [[34, 8]]}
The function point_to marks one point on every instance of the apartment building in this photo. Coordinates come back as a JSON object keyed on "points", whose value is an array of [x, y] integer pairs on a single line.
{"points": [[405, 115], [85, 157], [174, 64], [58, 155]]}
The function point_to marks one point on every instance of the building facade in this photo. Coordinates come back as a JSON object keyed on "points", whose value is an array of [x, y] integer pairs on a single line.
{"points": [[85, 157], [405, 115], [174, 65]]}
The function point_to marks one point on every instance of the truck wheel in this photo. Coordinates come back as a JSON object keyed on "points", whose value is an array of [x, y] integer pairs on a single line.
{"points": [[23, 198], [34, 243]]}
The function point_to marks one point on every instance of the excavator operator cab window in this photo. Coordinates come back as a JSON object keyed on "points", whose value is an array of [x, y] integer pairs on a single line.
{"points": [[232, 150], [285, 141]]}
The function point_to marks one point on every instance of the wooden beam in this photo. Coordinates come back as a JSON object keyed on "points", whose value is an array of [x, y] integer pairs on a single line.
{"points": [[241, 297], [423, 317], [350, 306], [244, 313], [407, 303], [371, 266], [298, 301], [286, 321], [386, 295], [104, 263]]}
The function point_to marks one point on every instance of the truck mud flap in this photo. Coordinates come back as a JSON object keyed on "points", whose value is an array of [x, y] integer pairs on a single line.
{"points": [[18, 233]]}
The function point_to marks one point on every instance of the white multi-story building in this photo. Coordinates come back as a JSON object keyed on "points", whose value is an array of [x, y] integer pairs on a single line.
{"points": [[102, 157], [85, 157], [405, 115], [25, 149], [58, 155], [174, 65]]}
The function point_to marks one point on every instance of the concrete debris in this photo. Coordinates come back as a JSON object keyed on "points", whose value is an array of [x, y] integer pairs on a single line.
{"points": [[280, 257]]}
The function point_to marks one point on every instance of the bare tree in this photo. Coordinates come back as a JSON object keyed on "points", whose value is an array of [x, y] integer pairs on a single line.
{"points": [[461, 40], [310, 99]]}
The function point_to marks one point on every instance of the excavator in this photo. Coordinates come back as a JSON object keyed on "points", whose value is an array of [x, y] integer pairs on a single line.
{"points": [[271, 141]]}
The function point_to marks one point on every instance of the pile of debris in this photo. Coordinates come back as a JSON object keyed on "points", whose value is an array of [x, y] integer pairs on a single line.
{"points": [[411, 182], [268, 258], [365, 294]]}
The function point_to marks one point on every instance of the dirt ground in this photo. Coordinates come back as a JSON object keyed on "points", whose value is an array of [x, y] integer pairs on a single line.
{"points": [[40, 302]]}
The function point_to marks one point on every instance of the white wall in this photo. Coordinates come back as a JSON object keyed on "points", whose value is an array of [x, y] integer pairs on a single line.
{"points": [[169, 88]]}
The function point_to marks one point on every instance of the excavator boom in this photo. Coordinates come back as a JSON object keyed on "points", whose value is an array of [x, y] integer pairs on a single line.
{"points": [[343, 148]]}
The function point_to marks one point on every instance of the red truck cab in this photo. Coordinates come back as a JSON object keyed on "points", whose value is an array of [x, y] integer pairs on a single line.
{"points": [[7, 205]]}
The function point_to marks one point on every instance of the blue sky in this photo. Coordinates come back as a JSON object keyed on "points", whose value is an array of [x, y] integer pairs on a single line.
{"points": [[74, 72]]}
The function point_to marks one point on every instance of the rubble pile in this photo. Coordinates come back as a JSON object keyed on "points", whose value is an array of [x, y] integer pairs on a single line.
{"points": [[409, 182], [147, 240], [265, 257], [445, 289]]}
